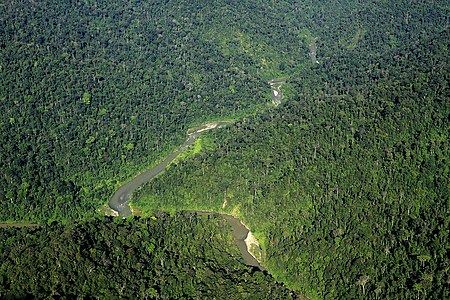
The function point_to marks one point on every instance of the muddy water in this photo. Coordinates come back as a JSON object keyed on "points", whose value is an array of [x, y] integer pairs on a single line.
{"points": [[121, 198], [239, 232]]}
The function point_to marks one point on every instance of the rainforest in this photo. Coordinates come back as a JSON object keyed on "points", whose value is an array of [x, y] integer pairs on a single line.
{"points": [[149, 148]]}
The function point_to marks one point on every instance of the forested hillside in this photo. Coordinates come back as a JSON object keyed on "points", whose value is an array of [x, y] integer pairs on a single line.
{"points": [[346, 190], [92, 92], [346, 184], [158, 258]]}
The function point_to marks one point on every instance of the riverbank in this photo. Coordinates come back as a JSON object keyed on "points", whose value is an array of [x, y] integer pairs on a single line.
{"points": [[243, 237], [119, 203], [121, 198], [247, 243]]}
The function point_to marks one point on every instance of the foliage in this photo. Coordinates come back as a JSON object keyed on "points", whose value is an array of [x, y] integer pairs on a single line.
{"points": [[93, 92], [158, 258], [348, 183]]}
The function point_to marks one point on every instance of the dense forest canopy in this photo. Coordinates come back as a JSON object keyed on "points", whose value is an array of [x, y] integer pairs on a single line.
{"points": [[346, 184], [93, 91], [351, 186], [144, 259]]}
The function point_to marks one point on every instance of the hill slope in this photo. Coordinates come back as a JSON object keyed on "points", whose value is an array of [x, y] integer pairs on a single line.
{"points": [[158, 258], [347, 185]]}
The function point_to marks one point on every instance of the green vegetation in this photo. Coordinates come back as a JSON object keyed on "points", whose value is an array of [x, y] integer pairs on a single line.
{"points": [[92, 93], [346, 188], [346, 184], [201, 144], [158, 258]]}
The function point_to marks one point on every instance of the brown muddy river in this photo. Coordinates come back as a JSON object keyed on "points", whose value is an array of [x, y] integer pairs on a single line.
{"points": [[121, 198]]}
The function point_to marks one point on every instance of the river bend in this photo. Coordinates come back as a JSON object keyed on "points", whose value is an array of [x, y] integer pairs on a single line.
{"points": [[121, 198]]}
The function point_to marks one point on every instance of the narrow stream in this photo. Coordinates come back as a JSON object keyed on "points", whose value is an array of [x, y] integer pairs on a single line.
{"points": [[277, 94]]}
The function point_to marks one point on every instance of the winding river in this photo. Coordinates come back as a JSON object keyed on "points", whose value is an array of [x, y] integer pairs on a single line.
{"points": [[121, 198]]}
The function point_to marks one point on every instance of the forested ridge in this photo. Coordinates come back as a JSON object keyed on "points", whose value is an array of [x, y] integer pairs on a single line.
{"points": [[343, 194], [93, 91], [348, 189], [346, 183], [168, 257]]}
